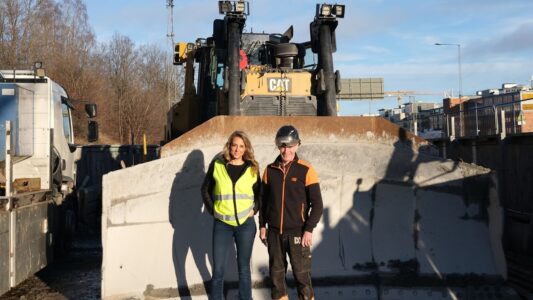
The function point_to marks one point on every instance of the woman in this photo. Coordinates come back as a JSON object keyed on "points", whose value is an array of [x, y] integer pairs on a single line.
{"points": [[231, 194]]}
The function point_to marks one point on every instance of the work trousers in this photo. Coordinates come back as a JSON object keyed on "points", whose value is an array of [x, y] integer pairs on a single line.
{"points": [[279, 247], [223, 237]]}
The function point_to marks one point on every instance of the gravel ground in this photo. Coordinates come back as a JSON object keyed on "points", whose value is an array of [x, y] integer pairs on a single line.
{"points": [[77, 275]]}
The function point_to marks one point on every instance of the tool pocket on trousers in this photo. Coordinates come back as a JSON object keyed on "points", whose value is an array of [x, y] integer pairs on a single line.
{"points": [[306, 258]]}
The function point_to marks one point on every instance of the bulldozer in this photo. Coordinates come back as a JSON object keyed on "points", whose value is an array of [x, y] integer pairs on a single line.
{"points": [[235, 73], [399, 222]]}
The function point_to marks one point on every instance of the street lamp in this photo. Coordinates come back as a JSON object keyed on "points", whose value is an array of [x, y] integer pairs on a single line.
{"points": [[459, 60], [461, 83]]}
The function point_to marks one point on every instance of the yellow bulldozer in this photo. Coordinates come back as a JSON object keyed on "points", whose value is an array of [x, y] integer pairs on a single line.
{"points": [[235, 73]]}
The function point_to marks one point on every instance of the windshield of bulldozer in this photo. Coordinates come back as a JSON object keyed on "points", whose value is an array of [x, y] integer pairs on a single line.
{"points": [[259, 49]]}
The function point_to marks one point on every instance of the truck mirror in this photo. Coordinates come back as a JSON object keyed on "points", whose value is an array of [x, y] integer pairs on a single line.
{"points": [[92, 131], [90, 109]]}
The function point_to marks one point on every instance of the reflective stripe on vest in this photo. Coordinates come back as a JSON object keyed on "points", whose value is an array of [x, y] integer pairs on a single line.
{"points": [[224, 207], [230, 197], [243, 215]]}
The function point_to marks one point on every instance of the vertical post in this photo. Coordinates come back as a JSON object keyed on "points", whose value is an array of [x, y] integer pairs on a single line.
{"points": [[448, 130], [460, 71], [145, 152], [477, 126], [452, 137], [496, 127], [503, 133], [9, 163], [415, 125], [171, 88], [514, 116], [10, 206], [132, 149], [462, 129], [474, 152]]}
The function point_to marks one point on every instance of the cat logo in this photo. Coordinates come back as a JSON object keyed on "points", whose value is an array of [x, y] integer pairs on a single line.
{"points": [[279, 84]]}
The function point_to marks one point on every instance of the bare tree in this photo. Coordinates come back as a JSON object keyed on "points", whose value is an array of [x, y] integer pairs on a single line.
{"points": [[148, 111], [121, 58], [133, 86]]}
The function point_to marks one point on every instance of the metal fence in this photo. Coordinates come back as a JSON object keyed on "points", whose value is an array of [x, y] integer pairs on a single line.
{"points": [[488, 120]]}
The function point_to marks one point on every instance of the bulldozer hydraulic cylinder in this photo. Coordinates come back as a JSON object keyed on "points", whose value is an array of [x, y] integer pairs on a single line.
{"points": [[234, 37], [326, 61]]}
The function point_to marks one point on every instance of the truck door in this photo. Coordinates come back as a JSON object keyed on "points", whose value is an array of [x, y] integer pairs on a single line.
{"points": [[67, 145], [67, 121]]}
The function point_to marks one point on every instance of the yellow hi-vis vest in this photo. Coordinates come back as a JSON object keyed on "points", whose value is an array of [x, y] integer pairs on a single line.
{"points": [[224, 209]]}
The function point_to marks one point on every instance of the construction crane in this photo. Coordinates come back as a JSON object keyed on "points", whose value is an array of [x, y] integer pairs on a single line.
{"points": [[401, 93]]}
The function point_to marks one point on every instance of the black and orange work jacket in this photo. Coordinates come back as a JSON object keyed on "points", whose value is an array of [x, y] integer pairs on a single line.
{"points": [[291, 201]]}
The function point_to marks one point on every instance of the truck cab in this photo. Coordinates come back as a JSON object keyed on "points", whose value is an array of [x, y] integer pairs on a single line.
{"points": [[41, 130]]}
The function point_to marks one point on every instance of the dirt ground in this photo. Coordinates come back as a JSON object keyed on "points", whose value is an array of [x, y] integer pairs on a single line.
{"points": [[77, 275]]}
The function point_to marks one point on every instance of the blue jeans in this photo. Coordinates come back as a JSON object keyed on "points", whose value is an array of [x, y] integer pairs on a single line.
{"points": [[223, 237]]}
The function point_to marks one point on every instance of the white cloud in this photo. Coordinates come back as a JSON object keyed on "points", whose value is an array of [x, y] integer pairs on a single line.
{"points": [[515, 41], [376, 50], [340, 58]]}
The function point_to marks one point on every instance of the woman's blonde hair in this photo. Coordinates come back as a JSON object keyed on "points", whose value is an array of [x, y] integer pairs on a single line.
{"points": [[248, 151]]}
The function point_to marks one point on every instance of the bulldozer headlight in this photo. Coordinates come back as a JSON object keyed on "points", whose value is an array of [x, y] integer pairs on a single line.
{"points": [[338, 10], [224, 7], [325, 10], [330, 11], [240, 7], [233, 7]]}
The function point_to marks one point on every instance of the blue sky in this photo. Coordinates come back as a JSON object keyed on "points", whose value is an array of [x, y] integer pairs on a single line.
{"points": [[393, 39]]}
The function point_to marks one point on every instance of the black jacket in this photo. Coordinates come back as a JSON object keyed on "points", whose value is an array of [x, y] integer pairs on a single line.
{"points": [[291, 200]]}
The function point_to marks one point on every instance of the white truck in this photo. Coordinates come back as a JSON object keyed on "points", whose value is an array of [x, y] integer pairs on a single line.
{"points": [[37, 163]]}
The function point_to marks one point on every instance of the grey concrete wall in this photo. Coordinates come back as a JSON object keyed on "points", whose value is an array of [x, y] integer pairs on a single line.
{"points": [[512, 161], [389, 210]]}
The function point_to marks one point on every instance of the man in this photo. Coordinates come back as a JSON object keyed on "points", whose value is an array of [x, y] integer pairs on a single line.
{"points": [[291, 208]]}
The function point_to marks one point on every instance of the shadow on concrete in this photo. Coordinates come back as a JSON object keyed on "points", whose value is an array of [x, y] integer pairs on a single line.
{"points": [[192, 226], [396, 234]]}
